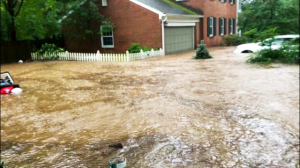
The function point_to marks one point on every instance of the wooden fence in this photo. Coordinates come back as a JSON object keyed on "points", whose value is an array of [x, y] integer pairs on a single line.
{"points": [[68, 56], [12, 52]]}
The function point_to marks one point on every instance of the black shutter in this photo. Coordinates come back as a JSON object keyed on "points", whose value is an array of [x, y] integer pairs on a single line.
{"points": [[220, 29], [225, 0], [208, 27], [225, 26], [233, 26], [233, 1], [215, 26]]}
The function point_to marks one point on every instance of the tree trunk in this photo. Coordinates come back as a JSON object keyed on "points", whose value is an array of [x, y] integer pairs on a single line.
{"points": [[13, 33]]}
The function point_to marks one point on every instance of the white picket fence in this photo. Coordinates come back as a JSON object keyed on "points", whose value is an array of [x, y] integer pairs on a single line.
{"points": [[68, 56]]}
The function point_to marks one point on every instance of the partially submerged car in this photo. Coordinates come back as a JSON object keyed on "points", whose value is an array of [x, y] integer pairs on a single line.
{"points": [[8, 86], [255, 47]]}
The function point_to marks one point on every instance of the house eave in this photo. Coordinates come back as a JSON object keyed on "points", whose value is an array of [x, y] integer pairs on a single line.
{"points": [[173, 18]]}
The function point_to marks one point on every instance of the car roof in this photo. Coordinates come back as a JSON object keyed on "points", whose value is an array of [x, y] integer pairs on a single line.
{"points": [[288, 36]]}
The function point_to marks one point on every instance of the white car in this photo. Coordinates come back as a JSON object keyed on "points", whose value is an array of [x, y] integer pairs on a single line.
{"points": [[255, 47]]}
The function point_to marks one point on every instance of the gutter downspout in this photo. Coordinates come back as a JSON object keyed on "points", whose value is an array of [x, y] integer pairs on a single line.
{"points": [[163, 34]]}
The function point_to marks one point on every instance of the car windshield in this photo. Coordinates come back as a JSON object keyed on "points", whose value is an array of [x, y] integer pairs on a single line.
{"points": [[277, 41]]}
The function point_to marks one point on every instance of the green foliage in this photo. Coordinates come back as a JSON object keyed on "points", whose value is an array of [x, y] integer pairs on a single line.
{"points": [[202, 52], [234, 40], [261, 19], [38, 19], [136, 48], [254, 35], [2, 165], [288, 53], [49, 51], [84, 24]]}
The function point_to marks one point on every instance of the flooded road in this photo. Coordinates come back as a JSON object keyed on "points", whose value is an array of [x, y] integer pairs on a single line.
{"points": [[170, 111]]}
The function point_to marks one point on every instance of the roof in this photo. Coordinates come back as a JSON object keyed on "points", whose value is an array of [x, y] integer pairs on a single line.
{"points": [[172, 7]]}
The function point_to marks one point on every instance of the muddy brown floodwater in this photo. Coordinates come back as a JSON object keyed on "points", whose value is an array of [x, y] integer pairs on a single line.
{"points": [[170, 111]]}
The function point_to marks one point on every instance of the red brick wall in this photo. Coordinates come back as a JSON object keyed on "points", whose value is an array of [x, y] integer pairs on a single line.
{"points": [[134, 24], [214, 8]]}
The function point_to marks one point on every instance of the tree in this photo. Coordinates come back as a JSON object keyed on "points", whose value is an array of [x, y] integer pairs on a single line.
{"points": [[267, 15], [36, 19], [13, 7], [202, 52], [84, 24]]}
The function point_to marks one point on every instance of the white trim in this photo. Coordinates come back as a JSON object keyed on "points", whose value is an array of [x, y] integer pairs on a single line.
{"points": [[107, 46], [211, 26], [231, 26], [238, 10], [149, 8], [163, 34], [190, 16], [222, 27], [104, 2], [194, 37], [180, 24]]}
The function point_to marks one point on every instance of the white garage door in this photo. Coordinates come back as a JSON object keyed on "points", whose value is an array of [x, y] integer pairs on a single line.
{"points": [[178, 39]]}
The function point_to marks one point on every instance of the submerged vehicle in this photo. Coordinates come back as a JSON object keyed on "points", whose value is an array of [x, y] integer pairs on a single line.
{"points": [[277, 43], [8, 86]]}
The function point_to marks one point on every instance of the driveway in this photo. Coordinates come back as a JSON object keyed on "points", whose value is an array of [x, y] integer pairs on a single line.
{"points": [[170, 111]]}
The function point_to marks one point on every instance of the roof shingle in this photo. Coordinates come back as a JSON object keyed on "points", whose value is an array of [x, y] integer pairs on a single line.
{"points": [[172, 7]]}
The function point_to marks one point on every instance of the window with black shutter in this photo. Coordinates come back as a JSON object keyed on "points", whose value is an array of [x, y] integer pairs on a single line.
{"points": [[230, 26], [210, 27], [221, 26]]}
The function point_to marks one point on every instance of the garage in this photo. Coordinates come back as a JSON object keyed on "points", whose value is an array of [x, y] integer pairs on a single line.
{"points": [[179, 39]]}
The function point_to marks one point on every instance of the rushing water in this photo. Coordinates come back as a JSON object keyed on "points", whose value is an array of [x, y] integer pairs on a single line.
{"points": [[167, 112]]}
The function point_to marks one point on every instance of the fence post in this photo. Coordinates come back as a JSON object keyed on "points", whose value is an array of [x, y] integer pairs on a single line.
{"points": [[127, 54], [98, 55], [161, 52], [142, 54], [152, 53]]}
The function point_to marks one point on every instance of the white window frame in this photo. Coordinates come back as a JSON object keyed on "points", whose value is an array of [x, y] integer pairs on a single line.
{"points": [[231, 1], [102, 41], [231, 26], [104, 2], [222, 1], [211, 26], [222, 27]]}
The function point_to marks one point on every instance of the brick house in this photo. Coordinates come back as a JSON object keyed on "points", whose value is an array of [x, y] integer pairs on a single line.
{"points": [[173, 25]]}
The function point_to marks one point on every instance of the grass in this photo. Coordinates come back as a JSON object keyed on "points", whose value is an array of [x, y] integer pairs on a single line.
{"points": [[180, 7]]}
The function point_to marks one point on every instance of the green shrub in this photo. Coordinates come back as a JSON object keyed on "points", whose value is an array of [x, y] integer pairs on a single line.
{"points": [[136, 48], [234, 40], [49, 51], [286, 54], [265, 56], [2, 165], [202, 52], [290, 54]]}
